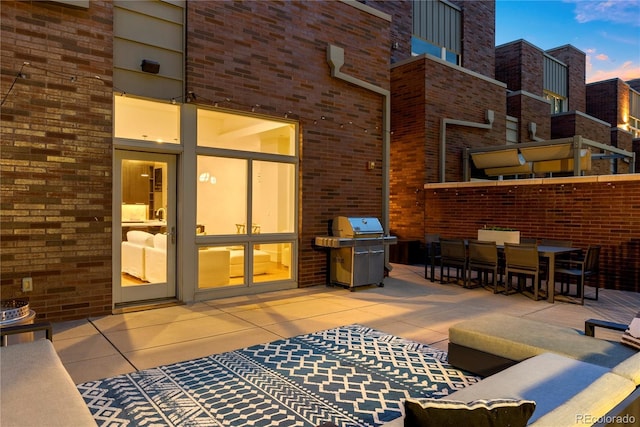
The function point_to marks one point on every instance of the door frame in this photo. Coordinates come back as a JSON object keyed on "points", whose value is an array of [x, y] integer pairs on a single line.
{"points": [[147, 293]]}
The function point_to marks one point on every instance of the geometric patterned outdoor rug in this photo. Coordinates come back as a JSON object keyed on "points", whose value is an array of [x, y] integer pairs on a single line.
{"points": [[351, 376]]}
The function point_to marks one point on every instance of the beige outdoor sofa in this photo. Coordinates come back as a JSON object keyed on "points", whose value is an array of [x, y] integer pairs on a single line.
{"points": [[36, 389], [574, 379]]}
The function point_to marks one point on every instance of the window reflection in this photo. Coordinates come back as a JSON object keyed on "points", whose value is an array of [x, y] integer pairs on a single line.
{"points": [[221, 190], [273, 197]]}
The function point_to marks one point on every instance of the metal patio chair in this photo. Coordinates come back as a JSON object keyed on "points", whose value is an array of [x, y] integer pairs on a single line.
{"points": [[453, 253], [483, 258], [522, 260], [579, 271], [432, 245]]}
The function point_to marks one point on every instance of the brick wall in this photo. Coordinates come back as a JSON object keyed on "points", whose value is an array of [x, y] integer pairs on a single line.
{"points": [[601, 100], [278, 60], [401, 28], [478, 36], [576, 65], [528, 110], [566, 125], [57, 157], [425, 91], [587, 210], [519, 64]]}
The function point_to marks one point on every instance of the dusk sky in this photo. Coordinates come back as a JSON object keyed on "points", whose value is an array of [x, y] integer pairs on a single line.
{"points": [[607, 31]]}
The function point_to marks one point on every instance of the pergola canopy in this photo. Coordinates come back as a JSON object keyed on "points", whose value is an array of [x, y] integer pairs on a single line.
{"points": [[552, 156]]}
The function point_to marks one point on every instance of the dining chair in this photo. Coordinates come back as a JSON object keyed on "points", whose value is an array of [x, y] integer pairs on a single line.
{"points": [[483, 258], [432, 245], [523, 261], [581, 271], [453, 253], [529, 240]]}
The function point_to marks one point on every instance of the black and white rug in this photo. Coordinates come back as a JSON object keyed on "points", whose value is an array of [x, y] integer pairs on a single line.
{"points": [[351, 376]]}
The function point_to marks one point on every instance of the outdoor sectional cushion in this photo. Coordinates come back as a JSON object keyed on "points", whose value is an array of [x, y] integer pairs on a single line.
{"points": [[631, 336], [479, 413], [37, 390], [517, 339], [552, 380], [629, 368]]}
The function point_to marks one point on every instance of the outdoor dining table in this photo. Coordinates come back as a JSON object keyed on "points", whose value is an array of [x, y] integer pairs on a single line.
{"points": [[548, 252]]}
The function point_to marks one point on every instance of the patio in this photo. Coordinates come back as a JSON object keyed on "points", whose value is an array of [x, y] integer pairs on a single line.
{"points": [[408, 306]]}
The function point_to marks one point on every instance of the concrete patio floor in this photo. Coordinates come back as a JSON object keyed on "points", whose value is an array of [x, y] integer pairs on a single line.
{"points": [[408, 306]]}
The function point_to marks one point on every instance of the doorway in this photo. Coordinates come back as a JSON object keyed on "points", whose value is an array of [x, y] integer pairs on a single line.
{"points": [[144, 227]]}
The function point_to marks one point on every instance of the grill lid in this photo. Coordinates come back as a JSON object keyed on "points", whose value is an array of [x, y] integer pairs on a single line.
{"points": [[354, 227]]}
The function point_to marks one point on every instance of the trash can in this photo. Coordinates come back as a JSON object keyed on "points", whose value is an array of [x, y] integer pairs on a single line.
{"points": [[16, 312]]}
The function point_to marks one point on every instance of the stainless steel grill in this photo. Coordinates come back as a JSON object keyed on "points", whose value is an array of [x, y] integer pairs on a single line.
{"points": [[357, 251]]}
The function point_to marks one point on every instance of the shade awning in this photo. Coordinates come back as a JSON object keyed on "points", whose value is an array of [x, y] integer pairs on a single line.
{"points": [[564, 165], [498, 159], [548, 152]]}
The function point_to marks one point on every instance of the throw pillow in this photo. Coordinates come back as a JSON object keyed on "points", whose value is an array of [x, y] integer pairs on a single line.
{"points": [[478, 413], [631, 336]]}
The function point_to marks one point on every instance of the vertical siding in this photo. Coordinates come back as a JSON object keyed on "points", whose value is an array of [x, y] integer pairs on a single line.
{"points": [[438, 23], [555, 76], [152, 30]]}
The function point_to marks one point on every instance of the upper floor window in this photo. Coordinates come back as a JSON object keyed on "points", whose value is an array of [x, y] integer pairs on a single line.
{"points": [[420, 46], [634, 127], [437, 30], [558, 103]]}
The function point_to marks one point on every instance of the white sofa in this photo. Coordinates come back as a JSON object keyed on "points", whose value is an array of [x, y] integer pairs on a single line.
{"points": [[133, 253], [155, 259], [144, 256]]}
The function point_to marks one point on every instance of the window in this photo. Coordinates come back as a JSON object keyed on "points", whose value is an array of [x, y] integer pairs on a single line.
{"points": [[246, 199], [558, 103], [143, 120], [634, 127], [419, 47], [221, 191], [437, 30], [245, 133]]}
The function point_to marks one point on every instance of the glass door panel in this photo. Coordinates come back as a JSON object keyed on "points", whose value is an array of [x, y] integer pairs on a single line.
{"points": [[144, 225]]}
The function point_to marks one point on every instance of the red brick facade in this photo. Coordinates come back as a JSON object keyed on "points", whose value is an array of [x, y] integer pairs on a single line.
{"points": [[57, 156], [529, 109], [519, 64], [280, 64], [423, 97], [586, 211], [599, 97], [478, 38]]}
